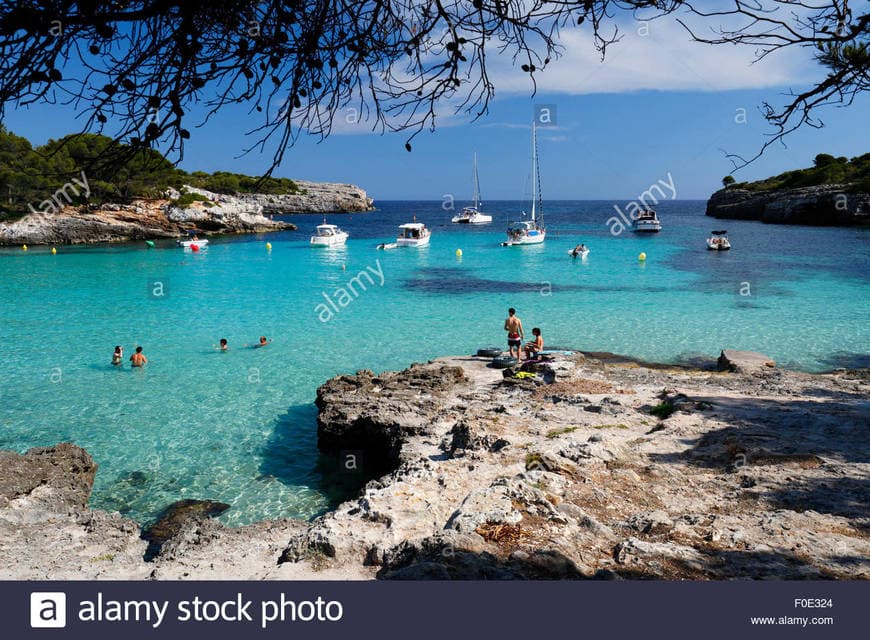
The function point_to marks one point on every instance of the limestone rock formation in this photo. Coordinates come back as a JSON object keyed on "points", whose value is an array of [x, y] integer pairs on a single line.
{"points": [[826, 205]]}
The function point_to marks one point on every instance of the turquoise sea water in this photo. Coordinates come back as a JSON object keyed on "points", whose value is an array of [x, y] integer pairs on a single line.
{"points": [[240, 426]]}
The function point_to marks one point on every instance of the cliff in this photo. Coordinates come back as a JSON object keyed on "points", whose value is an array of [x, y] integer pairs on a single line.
{"points": [[316, 197], [824, 205], [213, 213], [140, 220], [584, 467]]}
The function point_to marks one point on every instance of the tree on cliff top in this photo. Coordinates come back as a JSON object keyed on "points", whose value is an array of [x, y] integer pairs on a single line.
{"points": [[140, 65]]}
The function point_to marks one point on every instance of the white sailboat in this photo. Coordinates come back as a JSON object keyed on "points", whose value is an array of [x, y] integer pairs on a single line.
{"points": [[472, 215], [530, 231]]}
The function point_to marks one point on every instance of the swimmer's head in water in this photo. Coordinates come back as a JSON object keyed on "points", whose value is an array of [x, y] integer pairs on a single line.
{"points": [[263, 340], [223, 342]]}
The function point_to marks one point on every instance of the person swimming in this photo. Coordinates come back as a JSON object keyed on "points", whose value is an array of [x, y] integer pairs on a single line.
{"points": [[138, 359], [263, 342], [224, 345], [118, 356]]}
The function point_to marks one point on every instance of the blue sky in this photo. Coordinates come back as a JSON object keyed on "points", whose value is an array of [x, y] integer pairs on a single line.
{"points": [[659, 104]]}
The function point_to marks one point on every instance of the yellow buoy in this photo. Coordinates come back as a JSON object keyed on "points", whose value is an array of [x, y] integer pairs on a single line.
{"points": [[53, 251], [642, 256], [24, 247], [268, 246], [459, 253]]}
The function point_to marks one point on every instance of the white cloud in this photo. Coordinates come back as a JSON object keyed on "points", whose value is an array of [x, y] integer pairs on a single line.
{"points": [[666, 59]]}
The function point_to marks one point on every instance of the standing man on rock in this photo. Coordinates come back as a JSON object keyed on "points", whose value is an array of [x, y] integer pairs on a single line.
{"points": [[514, 327]]}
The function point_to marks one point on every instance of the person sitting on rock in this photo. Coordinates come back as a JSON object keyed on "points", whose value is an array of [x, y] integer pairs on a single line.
{"points": [[535, 347]]}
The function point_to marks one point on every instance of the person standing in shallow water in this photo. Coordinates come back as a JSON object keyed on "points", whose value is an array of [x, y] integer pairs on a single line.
{"points": [[118, 356], [514, 326], [138, 359]]}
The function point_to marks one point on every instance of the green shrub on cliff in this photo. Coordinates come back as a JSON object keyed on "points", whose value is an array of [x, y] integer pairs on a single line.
{"points": [[33, 176], [826, 169]]}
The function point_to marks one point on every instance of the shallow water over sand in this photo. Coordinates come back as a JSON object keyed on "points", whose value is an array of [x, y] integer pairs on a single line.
{"points": [[239, 426]]}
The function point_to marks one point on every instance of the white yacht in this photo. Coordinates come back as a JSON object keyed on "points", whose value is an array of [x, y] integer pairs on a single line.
{"points": [[328, 235], [530, 231], [646, 222], [718, 241], [413, 234], [472, 215]]}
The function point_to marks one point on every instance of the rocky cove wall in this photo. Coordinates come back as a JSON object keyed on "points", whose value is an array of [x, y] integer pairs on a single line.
{"points": [[155, 219], [318, 197], [824, 205]]}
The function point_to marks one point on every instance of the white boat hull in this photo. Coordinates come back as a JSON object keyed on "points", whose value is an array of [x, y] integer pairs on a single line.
{"points": [[337, 240], [187, 244], [536, 238], [647, 227], [720, 246], [475, 219], [412, 242]]}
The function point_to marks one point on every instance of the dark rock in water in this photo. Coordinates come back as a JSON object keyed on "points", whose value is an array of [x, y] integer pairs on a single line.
{"points": [[824, 205], [67, 469], [136, 478], [175, 518]]}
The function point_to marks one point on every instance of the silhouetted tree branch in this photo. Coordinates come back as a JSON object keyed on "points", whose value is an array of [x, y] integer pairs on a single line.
{"points": [[841, 41], [137, 68]]}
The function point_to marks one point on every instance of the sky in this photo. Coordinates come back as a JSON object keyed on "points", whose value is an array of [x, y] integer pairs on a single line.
{"points": [[659, 104]]}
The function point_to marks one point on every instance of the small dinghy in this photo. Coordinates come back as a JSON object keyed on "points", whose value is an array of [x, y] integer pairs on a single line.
{"points": [[190, 244]]}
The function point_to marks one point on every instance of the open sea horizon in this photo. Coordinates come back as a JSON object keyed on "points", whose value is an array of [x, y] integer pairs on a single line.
{"points": [[240, 426]]}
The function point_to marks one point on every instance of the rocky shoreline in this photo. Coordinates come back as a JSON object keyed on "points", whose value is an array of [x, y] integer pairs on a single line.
{"points": [[580, 467], [161, 218], [823, 205]]}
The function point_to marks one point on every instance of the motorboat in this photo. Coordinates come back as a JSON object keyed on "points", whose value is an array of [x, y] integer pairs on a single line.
{"points": [[646, 222], [718, 241], [413, 234], [328, 235], [472, 215], [531, 231]]}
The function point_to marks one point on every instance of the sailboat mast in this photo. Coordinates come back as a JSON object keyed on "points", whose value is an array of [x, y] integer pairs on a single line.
{"points": [[476, 184], [534, 168]]}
